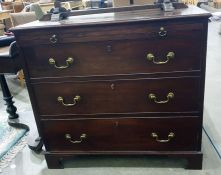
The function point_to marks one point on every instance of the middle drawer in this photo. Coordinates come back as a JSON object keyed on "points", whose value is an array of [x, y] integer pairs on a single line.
{"points": [[118, 96], [115, 57]]}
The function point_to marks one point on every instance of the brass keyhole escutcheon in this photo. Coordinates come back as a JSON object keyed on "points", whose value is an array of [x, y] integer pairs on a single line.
{"points": [[53, 39], [112, 86], [109, 48], [162, 32]]}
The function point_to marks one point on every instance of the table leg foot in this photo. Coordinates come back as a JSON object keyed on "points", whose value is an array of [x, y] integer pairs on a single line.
{"points": [[36, 145]]}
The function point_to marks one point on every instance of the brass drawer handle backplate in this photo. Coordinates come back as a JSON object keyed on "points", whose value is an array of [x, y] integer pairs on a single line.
{"points": [[76, 99], [69, 62], [170, 136], [152, 96], [151, 57], [82, 137], [162, 32], [53, 39]]}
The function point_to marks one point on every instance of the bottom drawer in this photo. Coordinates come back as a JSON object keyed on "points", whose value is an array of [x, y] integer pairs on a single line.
{"points": [[122, 134]]}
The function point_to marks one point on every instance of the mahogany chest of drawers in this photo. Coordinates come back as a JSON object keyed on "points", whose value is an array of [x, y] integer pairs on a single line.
{"points": [[122, 83]]}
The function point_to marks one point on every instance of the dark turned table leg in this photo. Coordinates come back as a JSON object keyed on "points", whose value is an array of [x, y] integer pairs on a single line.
{"points": [[11, 109], [13, 120]]}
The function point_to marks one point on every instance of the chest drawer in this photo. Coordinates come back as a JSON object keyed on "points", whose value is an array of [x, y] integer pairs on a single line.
{"points": [[118, 96], [150, 30], [115, 57], [164, 134]]}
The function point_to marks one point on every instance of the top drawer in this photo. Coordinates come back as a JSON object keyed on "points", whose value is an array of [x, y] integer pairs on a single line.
{"points": [[150, 30]]}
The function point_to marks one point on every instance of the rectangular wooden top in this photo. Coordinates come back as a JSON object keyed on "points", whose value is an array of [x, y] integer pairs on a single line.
{"points": [[130, 15]]}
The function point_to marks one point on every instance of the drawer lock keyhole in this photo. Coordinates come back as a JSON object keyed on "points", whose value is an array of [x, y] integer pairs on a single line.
{"points": [[109, 48], [162, 32], [53, 39]]}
